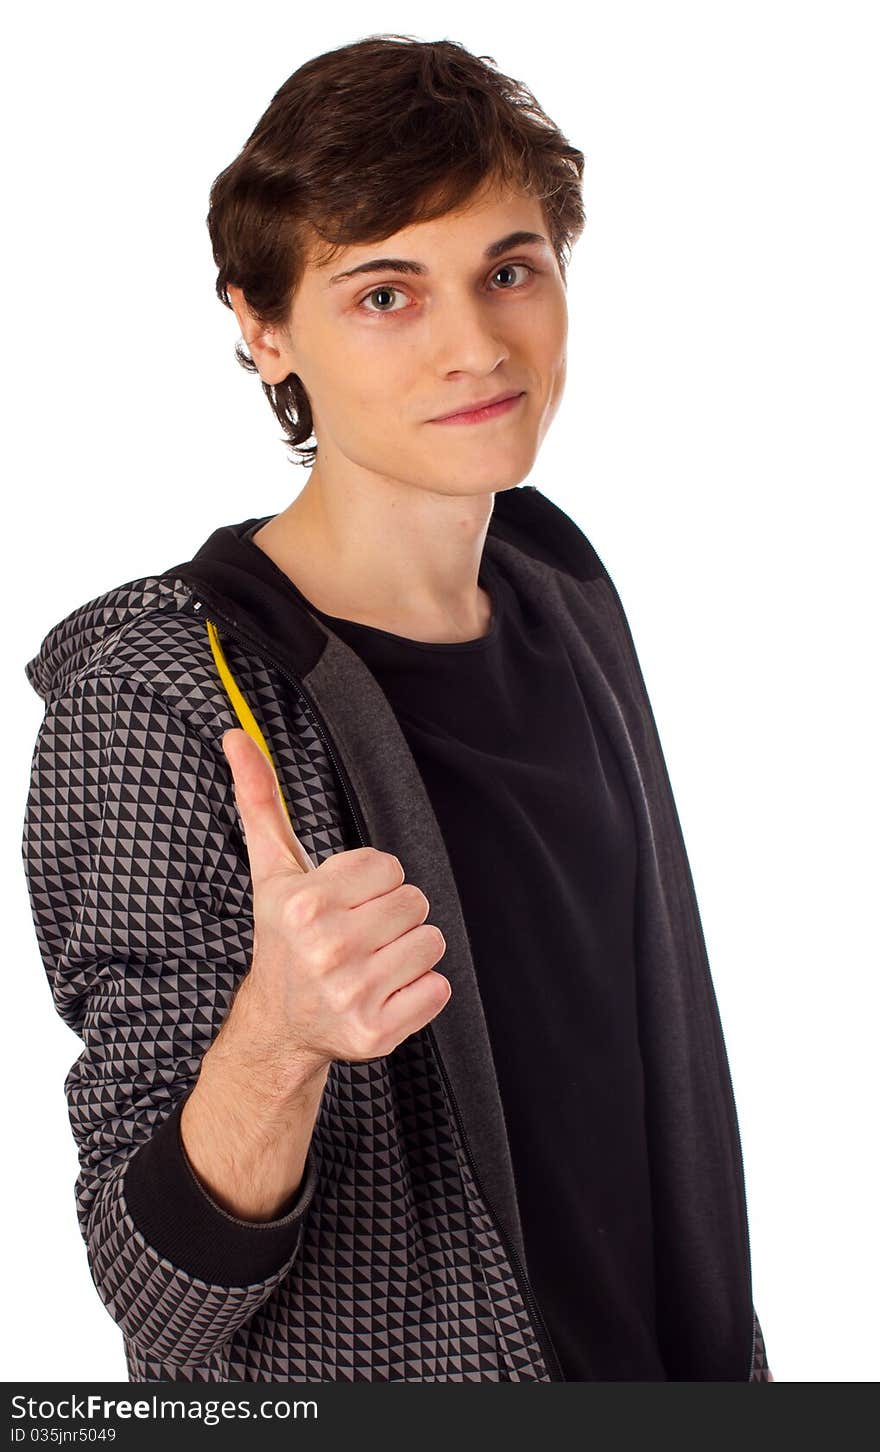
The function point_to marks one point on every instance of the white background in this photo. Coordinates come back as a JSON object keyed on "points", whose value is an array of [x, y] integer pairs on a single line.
{"points": [[717, 443]]}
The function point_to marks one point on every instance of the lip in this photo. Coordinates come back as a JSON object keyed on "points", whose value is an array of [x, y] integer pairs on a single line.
{"points": [[492, 408]]}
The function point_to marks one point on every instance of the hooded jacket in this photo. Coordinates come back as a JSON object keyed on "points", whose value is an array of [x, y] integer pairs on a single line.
{"points": [[402, 1258]]}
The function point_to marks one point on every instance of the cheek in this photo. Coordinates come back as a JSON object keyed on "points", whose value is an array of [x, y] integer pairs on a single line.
{"points": [[374, 375], [545, 336], [352, 389], [365, 411]]}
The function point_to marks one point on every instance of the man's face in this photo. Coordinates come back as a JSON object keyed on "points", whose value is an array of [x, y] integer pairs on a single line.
{"points": [[384, 351]]}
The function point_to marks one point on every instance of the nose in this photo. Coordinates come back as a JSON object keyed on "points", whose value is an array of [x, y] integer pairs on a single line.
{"points": [[465, 337]]}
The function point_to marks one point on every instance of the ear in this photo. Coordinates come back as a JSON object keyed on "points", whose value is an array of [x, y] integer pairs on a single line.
{"points": [[236, 297], [266, 345]]}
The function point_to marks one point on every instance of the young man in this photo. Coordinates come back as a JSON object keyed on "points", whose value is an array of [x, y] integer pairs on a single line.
{"points": [[323, 1138]]}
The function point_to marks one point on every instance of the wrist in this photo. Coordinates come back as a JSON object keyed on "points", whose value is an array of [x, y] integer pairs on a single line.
{"points": [[249, 1051]]}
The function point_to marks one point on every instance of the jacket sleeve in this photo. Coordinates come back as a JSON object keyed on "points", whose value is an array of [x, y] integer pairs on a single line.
{"points": [[760, 1369], [141, 898]]}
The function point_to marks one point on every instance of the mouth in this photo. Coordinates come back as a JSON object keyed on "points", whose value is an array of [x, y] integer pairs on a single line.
{"points": [[495, 409]]}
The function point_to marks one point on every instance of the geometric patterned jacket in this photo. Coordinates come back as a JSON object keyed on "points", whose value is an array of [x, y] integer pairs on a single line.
{"points": [[402, 1258]]}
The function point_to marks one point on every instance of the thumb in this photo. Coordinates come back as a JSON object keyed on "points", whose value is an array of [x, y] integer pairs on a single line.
{"points": [[272, 844]]}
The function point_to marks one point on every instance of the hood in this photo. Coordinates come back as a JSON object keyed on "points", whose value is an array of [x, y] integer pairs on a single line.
{"points": [[237, 579]]}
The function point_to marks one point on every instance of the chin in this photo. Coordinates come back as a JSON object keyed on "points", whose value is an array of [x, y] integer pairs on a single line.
{"points": [[489, 481]]}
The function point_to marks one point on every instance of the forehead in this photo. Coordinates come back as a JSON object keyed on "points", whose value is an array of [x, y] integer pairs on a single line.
{"points": [[491, 215]]}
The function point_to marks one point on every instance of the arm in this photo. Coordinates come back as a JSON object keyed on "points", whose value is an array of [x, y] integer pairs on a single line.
{"points": [[247, 1125], [140, 895]]}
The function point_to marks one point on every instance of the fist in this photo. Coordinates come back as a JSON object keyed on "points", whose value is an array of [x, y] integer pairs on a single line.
{"points": [[343, 960]]}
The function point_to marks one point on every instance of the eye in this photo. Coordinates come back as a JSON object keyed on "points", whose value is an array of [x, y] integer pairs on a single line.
{"points": [[509, 267], [388, 290], [383, 290]]}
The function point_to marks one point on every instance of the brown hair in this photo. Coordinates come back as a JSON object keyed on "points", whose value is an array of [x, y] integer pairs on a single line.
{"points": [[360, 142]]}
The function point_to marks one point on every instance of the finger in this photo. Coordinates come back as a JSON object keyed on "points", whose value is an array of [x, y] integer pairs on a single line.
{"points": [[272, 844]]}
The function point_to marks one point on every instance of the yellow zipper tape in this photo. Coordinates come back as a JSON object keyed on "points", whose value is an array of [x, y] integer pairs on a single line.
{"points": [[241, 707]]}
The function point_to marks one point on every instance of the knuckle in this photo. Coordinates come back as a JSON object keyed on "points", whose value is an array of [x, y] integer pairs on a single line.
{"points": [[360, 1032], [338, 998], [392, 868], [330, 951], [375, 857], [364, 1039], [352, 857], [413, 897], [305, 908]]}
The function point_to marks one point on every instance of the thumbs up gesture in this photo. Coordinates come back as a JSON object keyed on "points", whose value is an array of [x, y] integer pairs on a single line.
{"points": [[343, 961]]}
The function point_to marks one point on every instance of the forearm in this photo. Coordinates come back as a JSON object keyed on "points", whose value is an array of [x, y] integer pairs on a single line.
{"points": [[248, 1121]]}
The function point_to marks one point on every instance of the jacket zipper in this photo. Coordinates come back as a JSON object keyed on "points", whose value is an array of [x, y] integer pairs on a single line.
{"points": [[539, 1325]]}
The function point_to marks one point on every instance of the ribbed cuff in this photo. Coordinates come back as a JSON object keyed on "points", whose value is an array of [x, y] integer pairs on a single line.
{"points": [[175, 1214]]}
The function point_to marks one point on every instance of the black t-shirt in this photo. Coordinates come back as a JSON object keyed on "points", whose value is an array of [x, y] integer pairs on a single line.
{"points": [[538, 826]]}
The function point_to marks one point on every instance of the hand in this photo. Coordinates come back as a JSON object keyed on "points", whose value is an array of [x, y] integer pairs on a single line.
{"points": [[343, 958]]}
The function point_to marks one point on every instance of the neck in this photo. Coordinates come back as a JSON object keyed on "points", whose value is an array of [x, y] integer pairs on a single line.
{"points": [[395, 557]]}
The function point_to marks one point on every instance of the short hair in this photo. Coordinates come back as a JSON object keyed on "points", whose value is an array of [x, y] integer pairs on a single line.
{"points": [[365, 140]]}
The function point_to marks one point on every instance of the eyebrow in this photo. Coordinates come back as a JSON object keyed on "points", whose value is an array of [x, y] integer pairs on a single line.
{"points": [[418, 269]]}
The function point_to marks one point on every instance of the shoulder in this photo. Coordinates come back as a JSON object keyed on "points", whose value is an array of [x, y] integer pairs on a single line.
{"points": [[140, 638]]}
